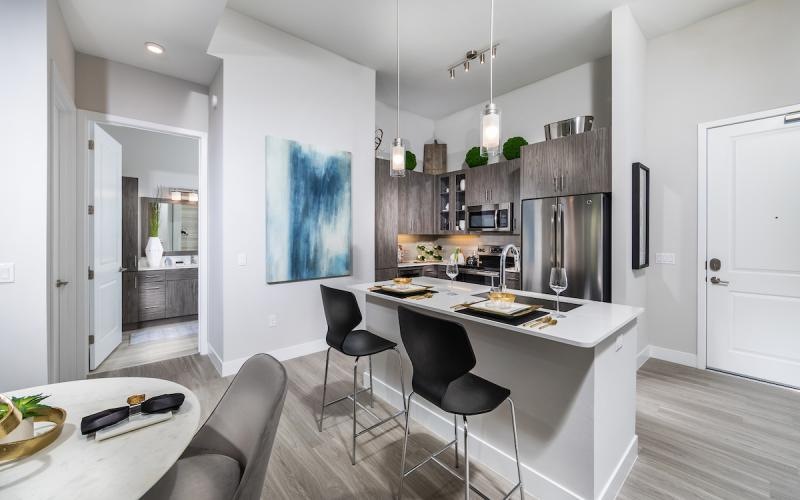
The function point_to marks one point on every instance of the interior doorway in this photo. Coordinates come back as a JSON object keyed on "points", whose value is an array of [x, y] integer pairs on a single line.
{"points": [[136, 310], [751, 282]]}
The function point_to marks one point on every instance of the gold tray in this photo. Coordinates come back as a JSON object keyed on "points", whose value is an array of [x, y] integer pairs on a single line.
{"points": [[412, 289], [501, 313], [27, 447]]}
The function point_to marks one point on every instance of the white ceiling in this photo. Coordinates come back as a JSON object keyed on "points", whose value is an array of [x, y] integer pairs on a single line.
{"points": [[118, 29], [537, 38]]}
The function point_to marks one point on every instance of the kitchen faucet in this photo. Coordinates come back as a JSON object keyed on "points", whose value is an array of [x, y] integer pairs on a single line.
{"points": [[503, 256]]}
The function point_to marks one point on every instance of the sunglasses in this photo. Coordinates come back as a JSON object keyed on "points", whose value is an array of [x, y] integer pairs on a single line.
{"points": [[106, 418]]}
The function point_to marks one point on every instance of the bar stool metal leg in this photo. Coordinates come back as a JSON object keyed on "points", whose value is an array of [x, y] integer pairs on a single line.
{"points": [[405, 445], [402, 380], [466, 461], [324, 389], [455, 435], [516, 448], [355, 402], [371, 393]]}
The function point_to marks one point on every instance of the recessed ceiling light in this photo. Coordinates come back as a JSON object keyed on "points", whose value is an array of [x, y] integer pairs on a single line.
{"points": [[154, 48]]}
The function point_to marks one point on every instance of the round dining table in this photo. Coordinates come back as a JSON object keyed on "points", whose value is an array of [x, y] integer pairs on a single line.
{"points": [[121, 467]]}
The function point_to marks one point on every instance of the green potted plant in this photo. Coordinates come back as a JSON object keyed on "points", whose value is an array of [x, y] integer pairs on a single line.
{"points": [[512, 147], [154, 249], [29, 407], [474, 158], [411, 160]]}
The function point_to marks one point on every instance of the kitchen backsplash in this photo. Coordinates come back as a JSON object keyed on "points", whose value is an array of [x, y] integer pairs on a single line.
{"points": [[467, 243]]}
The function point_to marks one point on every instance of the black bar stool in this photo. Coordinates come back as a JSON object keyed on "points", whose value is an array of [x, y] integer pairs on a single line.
{"points": [[441, 357], [342, 315]]}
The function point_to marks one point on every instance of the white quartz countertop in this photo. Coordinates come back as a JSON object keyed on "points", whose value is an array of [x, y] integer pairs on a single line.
{"points": [[585, 326], [163, 267]]}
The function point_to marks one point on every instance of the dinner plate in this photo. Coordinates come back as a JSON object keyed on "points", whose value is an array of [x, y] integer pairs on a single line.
{"points": [[404, 289], [515, 309]]}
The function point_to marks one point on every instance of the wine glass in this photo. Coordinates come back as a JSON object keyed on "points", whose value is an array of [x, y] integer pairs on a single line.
{"points": [[452, 272], [558, 283]]}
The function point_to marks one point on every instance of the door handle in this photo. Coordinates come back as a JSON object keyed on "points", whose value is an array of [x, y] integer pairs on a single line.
{"points": [[122, 269], [60, 283], [717, 281]]}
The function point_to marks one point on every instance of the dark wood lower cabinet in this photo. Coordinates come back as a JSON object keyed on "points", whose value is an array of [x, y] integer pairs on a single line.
{"points": [[153, 295]]}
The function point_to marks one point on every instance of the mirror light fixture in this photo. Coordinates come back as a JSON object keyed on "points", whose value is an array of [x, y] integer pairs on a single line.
{"points": [[154, 48], [398, 161], [490, 118], [176, 195]]}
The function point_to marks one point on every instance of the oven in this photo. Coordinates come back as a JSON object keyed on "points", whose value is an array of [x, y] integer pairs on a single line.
{"points": [[497, 217]]}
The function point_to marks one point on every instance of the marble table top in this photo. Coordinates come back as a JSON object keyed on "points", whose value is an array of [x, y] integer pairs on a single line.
{"points": [[78, 467]]}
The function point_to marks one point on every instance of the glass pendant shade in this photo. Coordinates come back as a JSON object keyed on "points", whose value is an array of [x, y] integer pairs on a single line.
{"points": [[490, 130], [398, 158]]}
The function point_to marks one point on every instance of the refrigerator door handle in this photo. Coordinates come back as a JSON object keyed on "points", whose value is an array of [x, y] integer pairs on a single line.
{"points": [[553, 244], [562, 231]]}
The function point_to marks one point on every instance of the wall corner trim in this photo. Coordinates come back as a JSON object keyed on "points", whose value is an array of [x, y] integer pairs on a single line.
{"points": [[642, 357], [673, 356]]}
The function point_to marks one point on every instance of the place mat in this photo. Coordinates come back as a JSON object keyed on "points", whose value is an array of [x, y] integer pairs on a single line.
{"points": [[513, 321], [402, 296]]}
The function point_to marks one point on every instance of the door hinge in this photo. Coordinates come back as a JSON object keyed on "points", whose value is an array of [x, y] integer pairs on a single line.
{"points": [[91, 144], [91, 273], [91, 209], [91, 339]]}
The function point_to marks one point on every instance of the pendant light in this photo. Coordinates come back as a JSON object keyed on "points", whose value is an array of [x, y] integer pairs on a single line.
{"points": [[398, 162], [490, 118]]}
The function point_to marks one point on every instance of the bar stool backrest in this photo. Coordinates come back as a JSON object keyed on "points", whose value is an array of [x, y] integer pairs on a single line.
{"points": [[440, 352], [341, 313]]}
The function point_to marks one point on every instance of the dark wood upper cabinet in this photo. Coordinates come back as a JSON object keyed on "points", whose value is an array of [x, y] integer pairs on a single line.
{"points": [[577, 164], [386, 216], [495, 183], [130, 223], [416, 203]]}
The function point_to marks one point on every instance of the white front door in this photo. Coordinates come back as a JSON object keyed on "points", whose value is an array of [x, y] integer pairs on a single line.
{"points": [[753, 299], [106, 162]]}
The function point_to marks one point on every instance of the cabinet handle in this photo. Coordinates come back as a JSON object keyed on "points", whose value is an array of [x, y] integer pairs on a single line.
{"points": [[562, 182], [555, 185], [150, 307]]}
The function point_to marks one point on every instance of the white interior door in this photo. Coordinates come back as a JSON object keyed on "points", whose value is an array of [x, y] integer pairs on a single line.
{"points": [[753, 300], [106, 161]]}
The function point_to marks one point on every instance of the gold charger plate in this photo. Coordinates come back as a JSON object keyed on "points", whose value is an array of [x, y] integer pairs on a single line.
{"points": [[498, 312], [413, 288]]}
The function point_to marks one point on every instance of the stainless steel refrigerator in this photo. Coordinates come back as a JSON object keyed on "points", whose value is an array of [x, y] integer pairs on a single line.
{"points": [[571, 231]]}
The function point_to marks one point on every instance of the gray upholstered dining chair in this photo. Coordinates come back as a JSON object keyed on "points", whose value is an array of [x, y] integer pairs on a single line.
{"points": [[228, 457]]}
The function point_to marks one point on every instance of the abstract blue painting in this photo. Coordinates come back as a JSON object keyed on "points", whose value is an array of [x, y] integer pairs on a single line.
{"points": [[309, 217]]}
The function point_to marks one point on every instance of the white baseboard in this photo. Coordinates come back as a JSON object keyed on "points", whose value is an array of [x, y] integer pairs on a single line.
{"points": [[642, 357], [673, 356], [621, 472], [215, 359], [231, 367]]}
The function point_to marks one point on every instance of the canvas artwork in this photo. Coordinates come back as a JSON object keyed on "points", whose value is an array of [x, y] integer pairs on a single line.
{"points": [[309, 216]]}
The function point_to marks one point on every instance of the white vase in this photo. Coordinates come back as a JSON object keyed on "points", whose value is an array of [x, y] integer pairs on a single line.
{"points": [[23, 431], [154, 251]]}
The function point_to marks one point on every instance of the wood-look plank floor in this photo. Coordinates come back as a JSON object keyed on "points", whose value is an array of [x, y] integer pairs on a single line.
{"points": [[159, 342], [702, 435]]}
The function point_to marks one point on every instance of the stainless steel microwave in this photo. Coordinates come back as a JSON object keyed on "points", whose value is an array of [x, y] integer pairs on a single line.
{"points": [[498, 217]]}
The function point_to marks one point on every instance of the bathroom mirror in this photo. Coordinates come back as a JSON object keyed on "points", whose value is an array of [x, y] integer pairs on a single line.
{"points": [[178, 225]]}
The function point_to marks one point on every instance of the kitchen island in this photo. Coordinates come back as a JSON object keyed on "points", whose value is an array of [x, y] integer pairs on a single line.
{"points": [[573, 385]]}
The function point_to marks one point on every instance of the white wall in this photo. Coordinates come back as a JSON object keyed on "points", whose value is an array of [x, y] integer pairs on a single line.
{"points": [[59, 46], [741, 61], [279, 85], [23, 193], [119, 89], [157, 160], [629, 58], [215, 223], [415, 129], [583, 90]]}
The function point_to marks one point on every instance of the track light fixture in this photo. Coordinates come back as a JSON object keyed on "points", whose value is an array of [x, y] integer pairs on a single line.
{"points": [[471, 55]]}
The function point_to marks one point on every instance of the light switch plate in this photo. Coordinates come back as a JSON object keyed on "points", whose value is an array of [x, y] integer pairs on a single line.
{"points": [[665, 258], [242, 259], [273, 320], [6, 272]]}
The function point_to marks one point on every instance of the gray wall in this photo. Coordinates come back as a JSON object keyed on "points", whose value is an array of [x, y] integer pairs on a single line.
{"points": [[119, 89], [741, 61]]}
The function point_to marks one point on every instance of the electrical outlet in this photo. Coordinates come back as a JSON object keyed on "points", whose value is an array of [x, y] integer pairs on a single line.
{"points": [[273, 320], [665, 258]]}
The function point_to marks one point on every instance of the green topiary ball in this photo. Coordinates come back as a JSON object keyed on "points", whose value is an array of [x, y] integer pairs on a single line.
{"points": [[511, 148], [474, 158], [411, 160]]}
